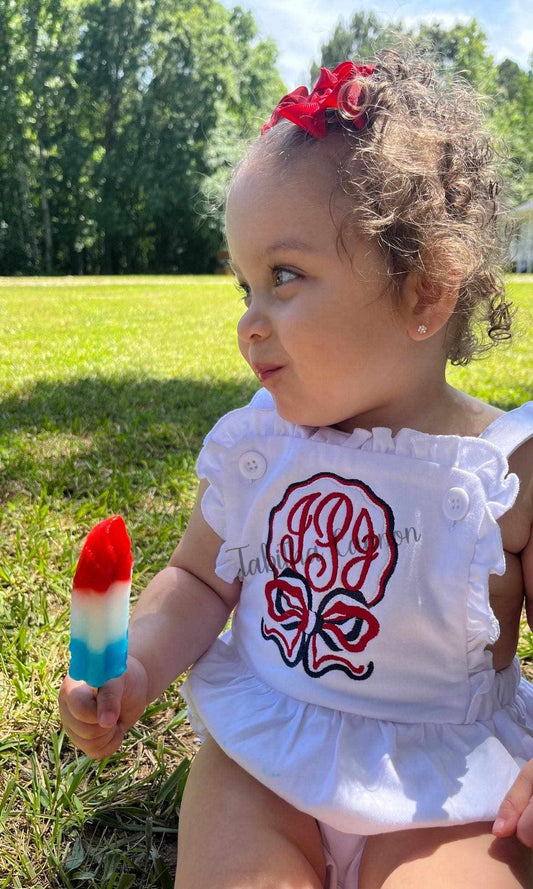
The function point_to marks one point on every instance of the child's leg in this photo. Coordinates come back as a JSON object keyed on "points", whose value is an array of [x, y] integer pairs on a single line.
{"points": [[236, 834], [465, 857]]}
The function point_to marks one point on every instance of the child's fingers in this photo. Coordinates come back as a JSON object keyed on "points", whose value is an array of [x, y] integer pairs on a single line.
{"points": [[524, 830], [506, 819], [79, 700], [87, 731], [109, 702], [102, 746], [515, 803], [80, 716]]}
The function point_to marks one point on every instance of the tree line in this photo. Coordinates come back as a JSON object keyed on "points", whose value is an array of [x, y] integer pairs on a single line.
{"points": [[116, 118], [119, 121]]}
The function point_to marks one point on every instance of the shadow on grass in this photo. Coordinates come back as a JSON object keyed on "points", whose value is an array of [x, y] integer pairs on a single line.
{"points": [[129, 404], [126, 434], [97, 437], [83, 405]]}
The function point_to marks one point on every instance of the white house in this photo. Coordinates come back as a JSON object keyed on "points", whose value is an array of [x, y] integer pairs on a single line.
{"points": [[522, 247]]}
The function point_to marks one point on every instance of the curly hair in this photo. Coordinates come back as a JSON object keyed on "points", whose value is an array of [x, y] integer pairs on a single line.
{"points": [[422, 178]]}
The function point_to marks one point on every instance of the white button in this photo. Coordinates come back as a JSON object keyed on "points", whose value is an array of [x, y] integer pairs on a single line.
{"points": [[455, 504], [252, 465]]}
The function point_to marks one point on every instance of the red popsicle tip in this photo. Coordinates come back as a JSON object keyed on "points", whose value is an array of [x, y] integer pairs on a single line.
{"points": [[106, 556]]}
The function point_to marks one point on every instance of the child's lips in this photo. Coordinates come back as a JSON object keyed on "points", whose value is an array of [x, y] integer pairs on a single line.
{"points": [[265, 371]]}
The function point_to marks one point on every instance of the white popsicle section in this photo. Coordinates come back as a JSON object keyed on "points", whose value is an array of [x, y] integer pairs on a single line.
{"points": [[100, 619]]}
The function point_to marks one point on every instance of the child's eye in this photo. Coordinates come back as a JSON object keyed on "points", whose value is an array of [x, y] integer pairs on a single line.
{"points": [[243, 289], [283, 276]]}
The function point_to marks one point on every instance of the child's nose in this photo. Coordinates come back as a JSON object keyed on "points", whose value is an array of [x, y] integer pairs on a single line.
{"points": [[254, 324]]}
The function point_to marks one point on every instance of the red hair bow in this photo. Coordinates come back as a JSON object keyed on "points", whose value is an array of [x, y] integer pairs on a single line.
{"points": [[308, 110]]}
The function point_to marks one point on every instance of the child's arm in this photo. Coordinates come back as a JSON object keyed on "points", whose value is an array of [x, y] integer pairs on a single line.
{"points": [[184, 608], [515, 815], [177, 617]]}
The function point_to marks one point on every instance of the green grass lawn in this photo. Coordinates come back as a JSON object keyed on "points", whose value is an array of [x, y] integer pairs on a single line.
{"points": [[109, 385]]}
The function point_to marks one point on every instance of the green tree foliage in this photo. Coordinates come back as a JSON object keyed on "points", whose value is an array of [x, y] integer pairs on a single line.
{"points": [[119, 120], [512, 118], [361, 39], [461, 49], [116, 116], [37, 43]]}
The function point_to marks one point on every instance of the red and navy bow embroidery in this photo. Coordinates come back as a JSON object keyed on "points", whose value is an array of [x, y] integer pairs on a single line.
{"points": [[335, 540], [321, 638]]}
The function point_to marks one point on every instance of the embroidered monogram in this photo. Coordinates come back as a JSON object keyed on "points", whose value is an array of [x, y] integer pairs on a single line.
{"points": [[336, 540]]}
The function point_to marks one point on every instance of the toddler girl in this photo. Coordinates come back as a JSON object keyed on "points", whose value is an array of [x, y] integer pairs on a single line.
{"points": [[365, 717]]}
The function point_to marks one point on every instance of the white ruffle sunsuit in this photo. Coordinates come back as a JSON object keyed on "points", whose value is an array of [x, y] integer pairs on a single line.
{"points": [[355, 681]]}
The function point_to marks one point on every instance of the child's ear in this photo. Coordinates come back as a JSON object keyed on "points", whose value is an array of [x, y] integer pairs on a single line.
{"points": [[425, 305]]}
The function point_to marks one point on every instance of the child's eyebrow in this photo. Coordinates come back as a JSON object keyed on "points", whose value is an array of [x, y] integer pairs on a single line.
{"points": [[281, 244], [290, 244]]}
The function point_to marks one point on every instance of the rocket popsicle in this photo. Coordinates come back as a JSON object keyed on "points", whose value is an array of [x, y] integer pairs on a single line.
{"points": [[100, 604]]}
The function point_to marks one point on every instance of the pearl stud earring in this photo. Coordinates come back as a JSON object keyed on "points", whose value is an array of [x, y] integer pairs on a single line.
{"points": [[422, 328]]}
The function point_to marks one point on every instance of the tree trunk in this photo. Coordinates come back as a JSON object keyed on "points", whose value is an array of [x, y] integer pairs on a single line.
{"points": [[30, 237], [45, 207]]}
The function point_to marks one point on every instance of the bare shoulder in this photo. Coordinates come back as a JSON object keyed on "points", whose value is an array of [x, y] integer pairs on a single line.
{"points": [[476, 415], [480, 414]]}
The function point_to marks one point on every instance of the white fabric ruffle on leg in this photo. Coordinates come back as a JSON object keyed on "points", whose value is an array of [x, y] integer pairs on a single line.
{"points": [[359, 774]]}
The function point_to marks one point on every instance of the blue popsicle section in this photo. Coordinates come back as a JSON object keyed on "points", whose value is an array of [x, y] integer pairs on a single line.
{"points": [[97, 667]]}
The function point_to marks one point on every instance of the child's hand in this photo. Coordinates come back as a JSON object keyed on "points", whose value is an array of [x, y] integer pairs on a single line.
{"points": [[515, 815], [96, 720]]}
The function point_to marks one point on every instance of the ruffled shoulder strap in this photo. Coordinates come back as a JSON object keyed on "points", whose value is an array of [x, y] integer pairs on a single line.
{"points": [[262, 401], [512, 429], [218, 504], [258, 417]]}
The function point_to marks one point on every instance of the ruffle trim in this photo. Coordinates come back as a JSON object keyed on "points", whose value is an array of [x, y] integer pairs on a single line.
{"points": [[482, 626], [471, 454], [355, 773], [476, 455]]}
